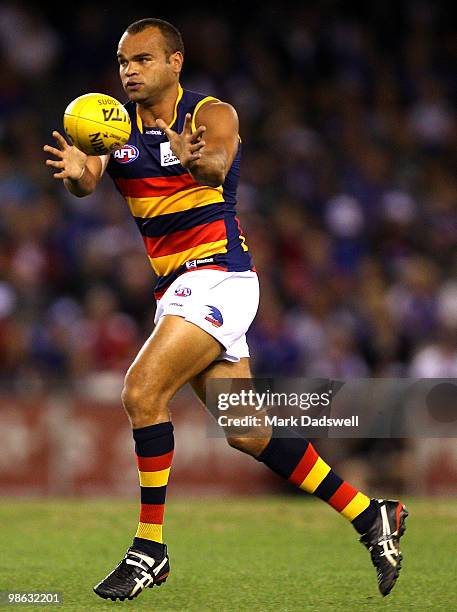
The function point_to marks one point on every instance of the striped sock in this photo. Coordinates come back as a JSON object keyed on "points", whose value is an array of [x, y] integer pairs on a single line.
{"points": [[296, 460], [154, 449]]}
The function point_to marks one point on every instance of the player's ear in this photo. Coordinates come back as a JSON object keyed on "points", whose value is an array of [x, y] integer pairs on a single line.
{"points": [[176, 59]]}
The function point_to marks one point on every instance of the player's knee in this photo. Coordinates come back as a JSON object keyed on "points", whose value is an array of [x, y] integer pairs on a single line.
{"points": [[142, 399], [132, 396]]}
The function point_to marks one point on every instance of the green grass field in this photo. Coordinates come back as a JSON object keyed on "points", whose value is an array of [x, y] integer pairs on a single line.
{"points": [[238, 554]]}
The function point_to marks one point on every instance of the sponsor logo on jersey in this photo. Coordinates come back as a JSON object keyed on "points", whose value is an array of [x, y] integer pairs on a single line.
{"points": [[194, 263], [167, 157], [214, 316], [204, 261], [126, 154], [154, 132], [176, 304], [182, 291]]}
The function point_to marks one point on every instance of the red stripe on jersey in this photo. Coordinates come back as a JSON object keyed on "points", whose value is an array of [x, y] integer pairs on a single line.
{"points": [[342, 496], [304, 467], [152, 513], [185, 239], [239, 226], [223, 268], [159, 294], [154, 187], [154, 464]]}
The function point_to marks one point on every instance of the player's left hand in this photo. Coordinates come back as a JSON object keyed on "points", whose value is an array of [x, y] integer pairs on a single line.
{"points": [[187, 146]]}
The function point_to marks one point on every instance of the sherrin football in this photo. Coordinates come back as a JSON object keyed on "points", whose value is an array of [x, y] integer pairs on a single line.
{"points": [[97, 123]]}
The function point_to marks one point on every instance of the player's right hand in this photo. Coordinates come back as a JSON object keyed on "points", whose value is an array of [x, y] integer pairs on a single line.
{"points": [[70, 161], [187, 146]]}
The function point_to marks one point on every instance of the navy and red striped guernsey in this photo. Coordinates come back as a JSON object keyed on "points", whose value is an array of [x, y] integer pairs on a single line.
{"points": [[185, 225]]}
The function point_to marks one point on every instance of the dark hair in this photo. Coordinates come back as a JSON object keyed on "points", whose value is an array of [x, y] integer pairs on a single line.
{"points": [[172, 35]]}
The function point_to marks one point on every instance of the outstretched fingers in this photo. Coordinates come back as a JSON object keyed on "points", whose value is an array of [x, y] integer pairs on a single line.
{"points": [[58, 165], [164, 127], [187, 129], [55, 164], [63, 144], [197, 146], [196, 136], [53, 150], [60, 175], [187, 146]]}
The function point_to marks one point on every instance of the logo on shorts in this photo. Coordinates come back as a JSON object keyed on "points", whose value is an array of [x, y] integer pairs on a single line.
{"points": [[126, 154], [214, 316], [182, 291]]}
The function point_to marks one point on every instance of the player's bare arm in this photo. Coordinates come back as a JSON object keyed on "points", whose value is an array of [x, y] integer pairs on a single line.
{"points": [[79, 172], [209, 150]]}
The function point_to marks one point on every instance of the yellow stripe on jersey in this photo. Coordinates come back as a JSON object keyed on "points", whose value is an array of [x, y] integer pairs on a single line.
{"points": [[317, 474], [356, 506], [182, 200], [168, 263], [139, 121], [149, 531], [197, 108], [178, 100], [154, 479], [244, 246]]}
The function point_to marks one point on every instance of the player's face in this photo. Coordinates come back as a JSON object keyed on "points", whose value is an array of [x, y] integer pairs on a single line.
{"points": [[145, 68]]}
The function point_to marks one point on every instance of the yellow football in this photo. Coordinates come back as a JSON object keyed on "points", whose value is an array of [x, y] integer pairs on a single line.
{"points": [[97, 123]]}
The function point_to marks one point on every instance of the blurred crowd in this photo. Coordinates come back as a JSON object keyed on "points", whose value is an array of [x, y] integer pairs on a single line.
{"points": [[348, 195]]}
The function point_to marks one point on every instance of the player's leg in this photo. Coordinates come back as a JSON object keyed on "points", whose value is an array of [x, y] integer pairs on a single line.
{"points": [[175, 352], [252, 445], [293, 458], [381, 522]]}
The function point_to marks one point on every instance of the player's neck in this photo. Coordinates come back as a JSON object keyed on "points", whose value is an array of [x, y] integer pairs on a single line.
{"points": [[162, 108]]}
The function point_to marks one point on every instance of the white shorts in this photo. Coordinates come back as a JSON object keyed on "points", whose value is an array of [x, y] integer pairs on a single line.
{"points": [[224, 304]]}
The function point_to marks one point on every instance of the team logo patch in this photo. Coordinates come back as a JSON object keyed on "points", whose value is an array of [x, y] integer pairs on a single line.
{"points": [[182, 291], [126, 154], [214, 316], [167, 157]]}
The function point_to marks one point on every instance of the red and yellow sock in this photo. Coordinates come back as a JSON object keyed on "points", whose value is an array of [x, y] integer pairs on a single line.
{"points": [[154, 449], [296, 460]]}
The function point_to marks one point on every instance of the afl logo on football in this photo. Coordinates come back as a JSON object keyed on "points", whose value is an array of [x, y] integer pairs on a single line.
{"points": [[126, 154]]}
